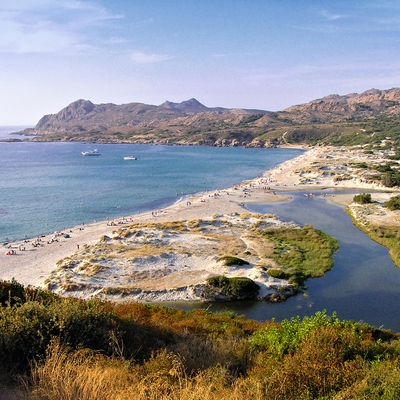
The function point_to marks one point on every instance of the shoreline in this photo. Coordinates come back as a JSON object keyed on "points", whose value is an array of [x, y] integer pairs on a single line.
{"points": [[34, 265]]}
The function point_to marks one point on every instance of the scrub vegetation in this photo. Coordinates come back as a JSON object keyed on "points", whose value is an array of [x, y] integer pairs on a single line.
{"points": [[387, 234], [363, 198], [304, 252], [66, 348], [235, 288]]}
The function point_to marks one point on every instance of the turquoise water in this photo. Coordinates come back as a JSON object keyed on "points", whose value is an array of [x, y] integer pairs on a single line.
{"points": [[50, 186]]}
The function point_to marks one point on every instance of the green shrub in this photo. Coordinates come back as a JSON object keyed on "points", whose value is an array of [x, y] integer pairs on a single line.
{"points": [[384, 168], [393, 203], [285, 338], [390, 179], [363, 198], [11, 292], [27, 329], [233, 286], [277, 273], [362, 165], [230, 260]]}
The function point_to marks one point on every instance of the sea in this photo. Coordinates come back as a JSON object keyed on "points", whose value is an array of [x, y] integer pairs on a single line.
{"points": [[46, 187], [50, 186]]}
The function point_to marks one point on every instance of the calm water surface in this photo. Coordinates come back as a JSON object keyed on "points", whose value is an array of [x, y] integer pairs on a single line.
{"points": [[50, 186]]}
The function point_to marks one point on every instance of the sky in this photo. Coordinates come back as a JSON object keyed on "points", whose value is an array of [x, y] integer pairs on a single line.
{"points": [[258, 54]]}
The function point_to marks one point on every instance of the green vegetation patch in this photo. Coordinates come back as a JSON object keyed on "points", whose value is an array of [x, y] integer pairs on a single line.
{"points": [[386, 235], [363, 198], [235, 287], [278, 273], [393, 204], [390, 178], [230, 260], [305, 252]]}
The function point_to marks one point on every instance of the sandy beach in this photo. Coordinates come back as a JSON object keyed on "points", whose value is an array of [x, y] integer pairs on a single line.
{"points": [[176, 275]]}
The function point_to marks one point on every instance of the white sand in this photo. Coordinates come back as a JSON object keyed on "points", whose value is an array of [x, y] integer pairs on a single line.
{"points": [[316, 168]]}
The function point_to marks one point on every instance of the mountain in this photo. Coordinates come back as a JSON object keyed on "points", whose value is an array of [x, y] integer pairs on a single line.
{"points": [[371, 103], [327, 119], [191, 106]]}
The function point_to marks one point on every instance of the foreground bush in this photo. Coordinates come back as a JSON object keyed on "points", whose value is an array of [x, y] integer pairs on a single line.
{"points": [[26, 329], [73, 349]]}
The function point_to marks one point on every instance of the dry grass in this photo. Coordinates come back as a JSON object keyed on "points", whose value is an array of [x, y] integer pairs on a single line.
{"points": [[87, 375]]}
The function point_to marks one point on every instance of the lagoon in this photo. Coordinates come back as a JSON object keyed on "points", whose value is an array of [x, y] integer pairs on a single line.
{"points": [[363, 285]]}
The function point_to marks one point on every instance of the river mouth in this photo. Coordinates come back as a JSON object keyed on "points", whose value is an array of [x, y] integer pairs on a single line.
{"points": [[363, 285]]}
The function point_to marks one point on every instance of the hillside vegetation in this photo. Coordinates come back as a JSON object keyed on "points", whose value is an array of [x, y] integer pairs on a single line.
{"points": [[64, 348], [371, 117]]}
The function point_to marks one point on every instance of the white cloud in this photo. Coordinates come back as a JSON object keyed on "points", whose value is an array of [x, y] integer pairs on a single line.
{"points": [[116, 40], [48, 26], [331, 17], [142, 58], [238, 54], [308, 72]]}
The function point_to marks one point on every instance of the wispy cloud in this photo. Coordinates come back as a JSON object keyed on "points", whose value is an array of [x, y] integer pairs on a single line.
{"points": [[48, 26], [330, 16], [238, 54], [143, 58], [306, 72], [116, 40]]}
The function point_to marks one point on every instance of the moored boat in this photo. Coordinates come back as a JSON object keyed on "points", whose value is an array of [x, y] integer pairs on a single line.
{"points": [[130, 158], [91, 153]]}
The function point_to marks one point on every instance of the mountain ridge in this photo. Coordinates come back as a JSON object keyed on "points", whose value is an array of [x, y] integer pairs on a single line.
{"points": [[191, 122]]}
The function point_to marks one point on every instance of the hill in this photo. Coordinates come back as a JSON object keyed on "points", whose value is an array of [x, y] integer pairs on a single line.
{"points": [[333, 119]]}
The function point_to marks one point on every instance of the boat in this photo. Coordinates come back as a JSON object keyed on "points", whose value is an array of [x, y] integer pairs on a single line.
{"points": [[91, 153], [130, 158]]}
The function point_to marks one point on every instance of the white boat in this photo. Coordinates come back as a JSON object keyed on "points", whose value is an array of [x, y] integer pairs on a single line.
{"points": [[130, 158], [91, 153]]}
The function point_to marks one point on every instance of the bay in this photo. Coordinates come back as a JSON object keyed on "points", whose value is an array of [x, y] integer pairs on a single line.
{"points": [[46, 187]]}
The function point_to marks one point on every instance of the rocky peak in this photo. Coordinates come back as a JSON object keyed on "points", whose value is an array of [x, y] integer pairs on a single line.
{"points": [[190, 106], [75, 110], [334, 107]]}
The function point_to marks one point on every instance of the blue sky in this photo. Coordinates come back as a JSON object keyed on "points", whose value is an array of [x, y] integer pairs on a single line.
{"points": [[266, 54]]}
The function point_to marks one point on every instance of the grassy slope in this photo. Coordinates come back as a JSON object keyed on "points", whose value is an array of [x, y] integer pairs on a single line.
{"points": [[68, 348]]}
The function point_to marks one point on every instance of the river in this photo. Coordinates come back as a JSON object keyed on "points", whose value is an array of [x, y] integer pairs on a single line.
{"points": [[363, 285]]}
